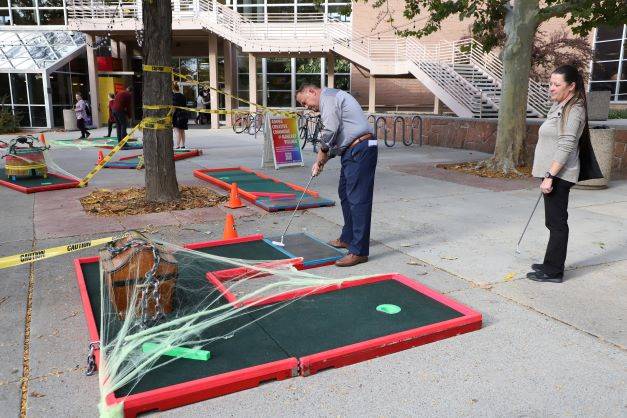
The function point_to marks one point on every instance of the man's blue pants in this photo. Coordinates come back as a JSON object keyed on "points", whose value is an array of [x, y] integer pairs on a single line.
{"points": [[355, 190]]}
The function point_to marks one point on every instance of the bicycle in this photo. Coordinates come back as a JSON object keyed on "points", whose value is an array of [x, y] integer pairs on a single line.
{"points": [[309, 128], [251, 122]]}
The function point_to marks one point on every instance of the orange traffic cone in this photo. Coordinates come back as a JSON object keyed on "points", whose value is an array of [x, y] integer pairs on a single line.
{"points": [[42, 138], [100, 156], [234, 200], [229, 227]]}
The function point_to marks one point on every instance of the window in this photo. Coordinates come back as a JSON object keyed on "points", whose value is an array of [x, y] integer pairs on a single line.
{"points": [[36, 89], [18, 87], [5, 96], [609, 68]]}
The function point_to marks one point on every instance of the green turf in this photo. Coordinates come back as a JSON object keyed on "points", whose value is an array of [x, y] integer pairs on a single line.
{"points": [[36, 181], [349, 316], [249, 347]]}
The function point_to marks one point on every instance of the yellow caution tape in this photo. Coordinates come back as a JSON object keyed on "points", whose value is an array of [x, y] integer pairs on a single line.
{"points": [[107, 158], [156, 69], [36, 255]]}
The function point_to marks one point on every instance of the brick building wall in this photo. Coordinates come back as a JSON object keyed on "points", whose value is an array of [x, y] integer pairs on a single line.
{"points": [[408, 93], [480, 135]]}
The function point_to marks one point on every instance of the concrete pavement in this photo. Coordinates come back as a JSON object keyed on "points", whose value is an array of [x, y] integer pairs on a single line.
{"points": [[545, 349]]}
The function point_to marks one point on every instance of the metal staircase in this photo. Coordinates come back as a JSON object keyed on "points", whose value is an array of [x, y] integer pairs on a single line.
{"points": [[460, 73]]}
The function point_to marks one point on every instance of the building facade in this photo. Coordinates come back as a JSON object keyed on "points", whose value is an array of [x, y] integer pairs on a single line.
{"points": [[258, 50]]}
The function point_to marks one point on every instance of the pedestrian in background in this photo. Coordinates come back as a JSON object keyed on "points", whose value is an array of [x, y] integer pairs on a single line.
{"points": [[81, 115], [111, 119], [180, 117], [122, 109]]}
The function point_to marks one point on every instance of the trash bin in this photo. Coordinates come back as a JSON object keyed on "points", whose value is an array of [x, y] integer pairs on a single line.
{"points": [[69, 120], [602, 139]]}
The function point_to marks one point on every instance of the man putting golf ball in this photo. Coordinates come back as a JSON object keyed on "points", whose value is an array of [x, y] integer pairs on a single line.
{"points": [[346, 133]]}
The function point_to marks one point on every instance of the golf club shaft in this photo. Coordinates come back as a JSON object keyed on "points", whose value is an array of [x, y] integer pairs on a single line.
{"points": [[297, 205], [532, 212]]}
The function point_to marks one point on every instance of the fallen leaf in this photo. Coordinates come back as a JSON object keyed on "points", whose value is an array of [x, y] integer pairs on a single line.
{"points": [[486, 286], [447, 257], [37, 394], [509, 276], [415, 263]]}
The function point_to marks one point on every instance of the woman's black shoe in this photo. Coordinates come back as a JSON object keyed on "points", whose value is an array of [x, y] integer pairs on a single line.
{"points": [[540, 276], [537, 267]]}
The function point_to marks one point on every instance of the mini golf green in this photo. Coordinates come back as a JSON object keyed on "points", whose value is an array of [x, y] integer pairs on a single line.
{"points": [[35, 181], [349, 316], [249, 347]]}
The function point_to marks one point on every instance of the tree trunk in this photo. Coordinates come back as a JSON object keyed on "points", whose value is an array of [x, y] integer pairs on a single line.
{"points": [[521, 23], [161, 184]]}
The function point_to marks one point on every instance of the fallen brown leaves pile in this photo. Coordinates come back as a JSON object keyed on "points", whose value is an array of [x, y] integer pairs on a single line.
{"points": [[474, 169], [132, 201]]}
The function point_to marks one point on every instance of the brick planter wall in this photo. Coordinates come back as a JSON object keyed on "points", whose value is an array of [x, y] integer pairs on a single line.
{"points": [[480, 135]]}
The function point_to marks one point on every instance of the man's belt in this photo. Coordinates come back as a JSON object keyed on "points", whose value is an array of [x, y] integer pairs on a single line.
{"points": [[361, 139]]}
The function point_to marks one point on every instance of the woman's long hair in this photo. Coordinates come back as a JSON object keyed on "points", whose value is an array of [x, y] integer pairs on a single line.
{"points": [[572, 75]]}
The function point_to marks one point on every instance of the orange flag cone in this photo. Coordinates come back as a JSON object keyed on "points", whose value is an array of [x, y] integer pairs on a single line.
{"points": [[234, 200], [42, 138], [229, 227], [100, 156]]}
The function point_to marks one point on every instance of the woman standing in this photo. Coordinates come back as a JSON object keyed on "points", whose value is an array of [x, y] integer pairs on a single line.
{"points": [[563, 156], [179, 117], [81, 116], [111, 119]]}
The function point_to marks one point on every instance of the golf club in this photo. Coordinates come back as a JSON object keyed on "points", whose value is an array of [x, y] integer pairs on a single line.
{"points": [[525, 230], [280, 244]]}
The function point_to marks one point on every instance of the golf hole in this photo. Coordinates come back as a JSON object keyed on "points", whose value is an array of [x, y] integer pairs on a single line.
{"points": [[389, 309]]}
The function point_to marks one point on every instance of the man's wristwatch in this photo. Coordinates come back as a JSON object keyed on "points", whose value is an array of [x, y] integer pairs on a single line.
{"points": [[548, 175]]}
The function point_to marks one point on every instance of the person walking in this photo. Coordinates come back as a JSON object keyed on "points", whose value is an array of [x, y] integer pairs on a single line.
{"points": [[180, 117], [200, 104], [346, 133], [111, 119], [81, 116], [121, 107], [563, 156]]}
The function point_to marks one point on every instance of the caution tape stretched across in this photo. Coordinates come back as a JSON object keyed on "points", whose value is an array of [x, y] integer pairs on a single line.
{"points": [[36, 255]]}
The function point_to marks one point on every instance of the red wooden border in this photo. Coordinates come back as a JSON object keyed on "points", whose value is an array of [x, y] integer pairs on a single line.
{"points": [[188, 154], [36, 189], [365, 350], [204, 175]]}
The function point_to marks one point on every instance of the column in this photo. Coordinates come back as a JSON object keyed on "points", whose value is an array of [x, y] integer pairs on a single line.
{"points": [[323, 72], [437, 106], [47, 99], [252, 81], [331, 70], [213, 78], [264, 82], [228, 79], [114, 49], [123, 55], [293, 84], [372, 94], [92, 72]]}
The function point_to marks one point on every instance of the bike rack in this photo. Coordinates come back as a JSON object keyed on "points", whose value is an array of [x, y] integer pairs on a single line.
{"points": [[385, 131], [372, 120], [402, 120], [413, 126]]}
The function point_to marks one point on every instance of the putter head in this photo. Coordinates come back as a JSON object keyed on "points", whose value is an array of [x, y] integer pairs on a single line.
{"points": [[280, 244], [517, 249]]}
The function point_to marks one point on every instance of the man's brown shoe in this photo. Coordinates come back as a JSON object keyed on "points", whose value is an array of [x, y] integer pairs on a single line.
{"points": [[350, 260], [338, 244]]}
